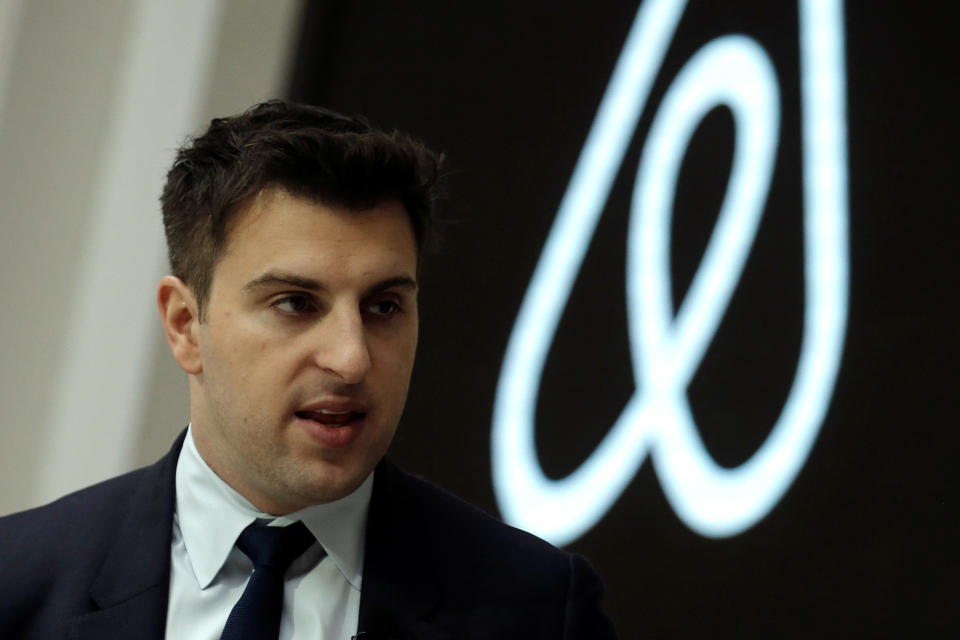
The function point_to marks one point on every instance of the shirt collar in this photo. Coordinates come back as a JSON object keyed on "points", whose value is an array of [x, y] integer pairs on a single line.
{"points": [[211, 515]]}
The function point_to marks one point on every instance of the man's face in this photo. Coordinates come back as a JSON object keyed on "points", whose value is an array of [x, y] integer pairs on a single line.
{"points": [[306, 349]]}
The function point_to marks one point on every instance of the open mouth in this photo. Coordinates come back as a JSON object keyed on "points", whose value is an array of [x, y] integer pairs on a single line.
{"points": [[331, 418]]}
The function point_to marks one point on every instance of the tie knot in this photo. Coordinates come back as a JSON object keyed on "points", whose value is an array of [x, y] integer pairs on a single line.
{"points": [[274, 547]]}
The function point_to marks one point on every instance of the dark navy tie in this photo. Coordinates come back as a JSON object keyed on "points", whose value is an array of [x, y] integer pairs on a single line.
{"points": [[256, 616]]}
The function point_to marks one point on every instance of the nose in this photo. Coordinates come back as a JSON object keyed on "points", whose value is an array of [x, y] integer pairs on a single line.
{"points": [[343, 350]]}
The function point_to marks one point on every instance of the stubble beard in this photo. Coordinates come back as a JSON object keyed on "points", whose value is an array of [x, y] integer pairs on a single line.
{"points": [[261, 462]]}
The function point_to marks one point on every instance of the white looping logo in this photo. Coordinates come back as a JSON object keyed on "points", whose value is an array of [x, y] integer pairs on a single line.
{"points": [[666, 350]]}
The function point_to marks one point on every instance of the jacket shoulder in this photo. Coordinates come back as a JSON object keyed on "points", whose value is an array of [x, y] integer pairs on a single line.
{"points": [[71, 534], [455, 531], [94, 506], [490, 576], [53, 555]]}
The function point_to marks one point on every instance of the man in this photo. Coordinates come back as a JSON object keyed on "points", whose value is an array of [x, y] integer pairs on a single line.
{"points": [[295, 236]]}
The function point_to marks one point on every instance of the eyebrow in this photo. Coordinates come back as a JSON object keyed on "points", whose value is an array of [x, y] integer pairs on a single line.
{"points": [[278, 278]]}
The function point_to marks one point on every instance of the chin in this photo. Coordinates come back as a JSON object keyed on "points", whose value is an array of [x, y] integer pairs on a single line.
{"points": [[330, 484]]}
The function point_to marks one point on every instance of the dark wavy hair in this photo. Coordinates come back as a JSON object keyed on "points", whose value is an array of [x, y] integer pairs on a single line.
{"points": [[310, 152]]}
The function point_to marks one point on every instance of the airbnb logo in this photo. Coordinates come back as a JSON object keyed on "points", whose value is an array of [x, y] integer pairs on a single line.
{"points": [[667, 348]]}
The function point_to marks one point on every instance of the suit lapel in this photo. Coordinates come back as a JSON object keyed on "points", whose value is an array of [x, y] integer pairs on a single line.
{"points": [[132, 587], [399, 590]]}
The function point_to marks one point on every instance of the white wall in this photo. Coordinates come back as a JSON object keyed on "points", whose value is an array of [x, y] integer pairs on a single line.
{"points": [[94, 98]]}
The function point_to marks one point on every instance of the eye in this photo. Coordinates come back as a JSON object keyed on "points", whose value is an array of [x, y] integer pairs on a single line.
{"points": [[382, 308], [296, 304]]}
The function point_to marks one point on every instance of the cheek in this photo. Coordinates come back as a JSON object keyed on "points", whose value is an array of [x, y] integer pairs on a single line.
{"points": [[236, 355], [393, 363], [239, 338], [403, 369], [401, 354]]}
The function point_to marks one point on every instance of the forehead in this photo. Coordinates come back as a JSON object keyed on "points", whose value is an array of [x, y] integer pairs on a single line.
{"points": [[279, 230]]}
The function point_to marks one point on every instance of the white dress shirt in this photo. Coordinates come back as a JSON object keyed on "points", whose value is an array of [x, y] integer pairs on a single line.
{"points": [[321, 600]]}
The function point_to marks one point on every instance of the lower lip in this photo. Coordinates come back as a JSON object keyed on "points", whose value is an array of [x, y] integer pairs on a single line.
{"points": [[332, 437]]}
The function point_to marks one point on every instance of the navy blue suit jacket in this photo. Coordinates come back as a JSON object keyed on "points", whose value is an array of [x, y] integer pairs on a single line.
{"points": [[95, 565]]}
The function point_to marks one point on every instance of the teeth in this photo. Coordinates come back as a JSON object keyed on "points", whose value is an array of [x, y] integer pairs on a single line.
{"points": [[327, 412]]}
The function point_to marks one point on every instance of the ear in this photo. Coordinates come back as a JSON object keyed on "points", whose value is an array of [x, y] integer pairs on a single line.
{"points": [[181, 322]]}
